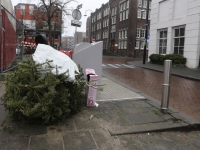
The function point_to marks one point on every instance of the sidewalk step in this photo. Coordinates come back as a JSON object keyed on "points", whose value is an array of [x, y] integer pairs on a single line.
{"points": [[149, 127]]}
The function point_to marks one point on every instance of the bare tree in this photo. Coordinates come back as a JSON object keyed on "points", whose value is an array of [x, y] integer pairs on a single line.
{"points": [[50, 12]]}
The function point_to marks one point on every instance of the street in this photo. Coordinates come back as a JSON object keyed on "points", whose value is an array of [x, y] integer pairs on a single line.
{"points": [[184, 93]]}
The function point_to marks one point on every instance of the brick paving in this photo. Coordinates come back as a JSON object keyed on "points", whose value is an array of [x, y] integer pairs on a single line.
{"points": [[184, 93]]}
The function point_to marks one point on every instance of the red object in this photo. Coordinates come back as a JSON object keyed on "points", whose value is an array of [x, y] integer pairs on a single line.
{"points": [[68, 53]]}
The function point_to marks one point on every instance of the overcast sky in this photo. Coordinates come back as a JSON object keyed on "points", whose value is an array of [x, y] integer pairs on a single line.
{"points": [[86, 4]]}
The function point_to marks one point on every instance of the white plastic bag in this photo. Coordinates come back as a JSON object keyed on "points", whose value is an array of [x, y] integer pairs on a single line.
{"points": [[60, 60]]}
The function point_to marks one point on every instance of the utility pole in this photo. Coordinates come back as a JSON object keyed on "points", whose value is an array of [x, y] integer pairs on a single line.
{"points": [[146, 32]]}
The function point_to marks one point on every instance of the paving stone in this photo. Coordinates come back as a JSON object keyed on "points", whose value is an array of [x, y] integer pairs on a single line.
{"points": [[131, 119], [117, 93], [133, 110], [104, 139], [141, 103], [108, 105], [46, 142], [151, 117], [86, 123], [186, 146], [22, 129], [92, 110], [125, 104], [166, 116], [80, 140], [111, 119], [20, 143], [66, 125], [130, 139], [159, 145]]}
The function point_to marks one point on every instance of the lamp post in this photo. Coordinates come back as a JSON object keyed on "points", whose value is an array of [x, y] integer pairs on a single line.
{"points": [[90, 25], [146, 25]]}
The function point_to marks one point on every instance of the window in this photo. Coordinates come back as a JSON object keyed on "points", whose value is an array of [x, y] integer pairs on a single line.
{"points": [[125, 33], [179, 40], [127, 4], [119, 34], [122, 34], [119, 45], [149, 14], [124, 6], [142, 33], [150, 4], [137, 44], [120, 18], [124, 10], [29, 23], [140, 3], [22, 7], [142, 45], [138, 33], [122, 44], [139, 13], [113, 20], [162, 41], [144, 15], [113, 11], [127, 14], [147, 45], [124, 15], [121, 7], [31, 8], [125, 44], [145, 3], [113, 27], [112, 35]]}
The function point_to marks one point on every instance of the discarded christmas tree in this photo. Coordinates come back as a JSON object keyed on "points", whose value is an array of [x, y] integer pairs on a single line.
{"points": [[36, 96]]}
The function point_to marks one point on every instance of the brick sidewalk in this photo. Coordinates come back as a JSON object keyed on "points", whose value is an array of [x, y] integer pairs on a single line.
{"points": [[184, 93]]}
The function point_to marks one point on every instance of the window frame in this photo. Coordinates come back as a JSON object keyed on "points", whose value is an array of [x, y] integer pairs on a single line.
{"points": [[142, 44], [179, 37], [22, 7], [144, 14], [139, 13], [162, 39], [137, 44], [141, 35]]}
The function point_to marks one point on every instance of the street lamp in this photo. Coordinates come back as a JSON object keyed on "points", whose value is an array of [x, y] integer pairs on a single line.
{"points": [[90, 25], [146, 25]]}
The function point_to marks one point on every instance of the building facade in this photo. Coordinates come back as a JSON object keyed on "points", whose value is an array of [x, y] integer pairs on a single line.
{"points": [[29, 16], [79, 37], [120, 25], [67, 43], [175, 28]]}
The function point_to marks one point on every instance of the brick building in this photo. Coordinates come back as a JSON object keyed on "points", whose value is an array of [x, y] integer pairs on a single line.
{"points": [[79, 37], [28, 14], [67, 43], [121, 28]]}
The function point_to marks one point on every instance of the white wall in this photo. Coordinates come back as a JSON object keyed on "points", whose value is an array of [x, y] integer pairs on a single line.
{"points": [[167, 14], [89, 55]]}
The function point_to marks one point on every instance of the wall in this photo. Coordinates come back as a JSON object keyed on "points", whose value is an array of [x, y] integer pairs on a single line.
{"points": [[168, 14]]}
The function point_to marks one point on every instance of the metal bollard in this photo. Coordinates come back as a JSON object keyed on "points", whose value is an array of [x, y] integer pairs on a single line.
{"points": [[166, 85]]}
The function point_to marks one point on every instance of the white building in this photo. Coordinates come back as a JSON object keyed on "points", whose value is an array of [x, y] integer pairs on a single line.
{"points": [[175, 28]]}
